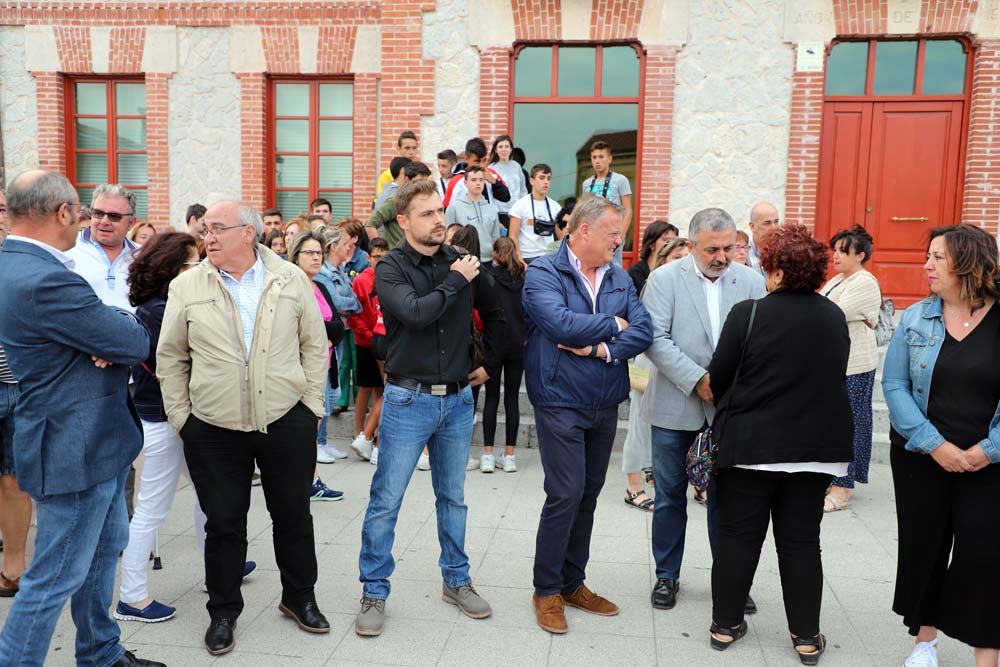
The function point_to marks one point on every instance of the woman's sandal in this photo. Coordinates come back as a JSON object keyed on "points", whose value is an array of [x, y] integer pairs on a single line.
{"points": [[834, 504], [810, 657], [701, 497], [647, 474], [732, 633], [631, 498]]}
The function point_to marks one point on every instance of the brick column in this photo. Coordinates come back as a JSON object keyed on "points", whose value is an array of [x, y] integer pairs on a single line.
{"points": [[494, 92], [253, 125], [657, 134], [158, 149], [802, 181], [365, 142], [51, 122], [981, 197]]}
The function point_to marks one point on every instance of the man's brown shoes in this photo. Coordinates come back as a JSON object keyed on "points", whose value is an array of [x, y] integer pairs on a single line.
{"points": [[549, 608], [589, 601]]}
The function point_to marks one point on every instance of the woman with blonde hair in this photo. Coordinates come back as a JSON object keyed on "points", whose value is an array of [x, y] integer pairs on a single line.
{"points": [[673, 248], [141, 232]]}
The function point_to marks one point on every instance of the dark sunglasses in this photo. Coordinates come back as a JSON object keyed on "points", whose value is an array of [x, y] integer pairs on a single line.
{"points": [[98, 214]]}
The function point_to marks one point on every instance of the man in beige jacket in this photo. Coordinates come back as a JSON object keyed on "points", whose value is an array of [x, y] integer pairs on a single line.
{"points": [[242, 360]]}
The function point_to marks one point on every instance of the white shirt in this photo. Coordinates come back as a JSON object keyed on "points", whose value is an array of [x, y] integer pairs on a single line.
{"points": [[63, 258], [246, 292], [527, 211], [592, 290], [835, 469], [108, 279], [713, 298]]}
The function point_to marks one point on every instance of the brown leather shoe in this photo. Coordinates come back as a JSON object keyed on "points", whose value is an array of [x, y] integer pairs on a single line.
{"points": [[549, 613], [589, 601], [8, 587]]}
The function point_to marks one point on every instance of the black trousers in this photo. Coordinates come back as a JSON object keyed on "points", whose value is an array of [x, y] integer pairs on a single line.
{"points": [[511, 372], [747, 500], [221, 463]]}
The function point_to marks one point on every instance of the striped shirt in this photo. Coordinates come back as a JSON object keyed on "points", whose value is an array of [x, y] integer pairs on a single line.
{"points": [[246, 292], [6, 376]]}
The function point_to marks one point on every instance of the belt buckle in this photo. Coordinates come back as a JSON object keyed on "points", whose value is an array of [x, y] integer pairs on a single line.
{"points": [[439, 390]]}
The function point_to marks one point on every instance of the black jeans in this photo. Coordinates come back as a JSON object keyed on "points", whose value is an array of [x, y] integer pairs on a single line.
{"points": [[221, 463], [511, 370], [747, 499], [575, 446]]}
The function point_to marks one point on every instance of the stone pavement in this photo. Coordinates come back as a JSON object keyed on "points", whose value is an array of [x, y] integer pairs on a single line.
{"points": [[859, 548]]}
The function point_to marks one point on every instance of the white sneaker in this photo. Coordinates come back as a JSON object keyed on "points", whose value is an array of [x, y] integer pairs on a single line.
{"points": [[508, 463], [472, 464], [336, 453], [362, 446], [374, 457], [486, 463], [424, 463], [924, 655], [323, 455]]}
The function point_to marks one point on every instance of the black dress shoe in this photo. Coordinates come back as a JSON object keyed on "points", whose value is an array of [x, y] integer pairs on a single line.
{"points": [[307, 615], [750, 607], [219, 637], [665, 593], [129, 660]]}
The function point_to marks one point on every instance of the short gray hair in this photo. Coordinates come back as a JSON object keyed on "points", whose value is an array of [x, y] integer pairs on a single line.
{"points": [[589, 210], [40, 196], [115, 190], [249, 217], [710, 220], [332, 236]]}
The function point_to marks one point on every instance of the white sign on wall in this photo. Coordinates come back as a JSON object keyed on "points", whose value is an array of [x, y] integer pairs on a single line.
{"points": [[809, 57]]}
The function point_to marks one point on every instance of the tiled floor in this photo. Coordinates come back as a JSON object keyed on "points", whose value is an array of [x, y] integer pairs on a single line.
{"points": [[859, 547]]}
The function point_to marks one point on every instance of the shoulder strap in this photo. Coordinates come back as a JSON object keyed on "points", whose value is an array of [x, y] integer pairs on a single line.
{"points": [[746, 339]]}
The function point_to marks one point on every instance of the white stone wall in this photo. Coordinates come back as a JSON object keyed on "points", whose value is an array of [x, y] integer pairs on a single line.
{"points": [[18, 106], [731, 110], [446, 39], [204, 122]]}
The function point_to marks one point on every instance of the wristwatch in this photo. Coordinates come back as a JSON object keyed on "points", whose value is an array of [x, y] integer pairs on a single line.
{"points": [[593, 350]]}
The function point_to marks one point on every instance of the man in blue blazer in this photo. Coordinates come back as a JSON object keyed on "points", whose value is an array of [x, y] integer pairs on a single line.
{"points": [[77, 430], [584, 321]]}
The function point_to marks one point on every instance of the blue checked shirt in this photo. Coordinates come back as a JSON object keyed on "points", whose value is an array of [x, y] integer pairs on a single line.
{"points": [[246, 293]]}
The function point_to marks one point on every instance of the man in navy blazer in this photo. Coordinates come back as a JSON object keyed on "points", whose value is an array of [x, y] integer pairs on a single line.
{"points": [[77, 432]]}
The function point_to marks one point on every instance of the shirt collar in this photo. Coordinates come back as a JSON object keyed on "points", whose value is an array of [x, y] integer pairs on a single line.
{"points": [[702, 276], [416, 257], [63, 258], [575, 261], [127, 246], [251, 273]]}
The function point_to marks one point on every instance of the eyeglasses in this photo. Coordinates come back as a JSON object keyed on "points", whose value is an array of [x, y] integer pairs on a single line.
{"points": [[741, 246], [215, 230], [97, 214], [311, 253]]}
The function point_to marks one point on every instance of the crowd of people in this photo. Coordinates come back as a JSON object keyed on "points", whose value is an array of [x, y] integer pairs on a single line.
{"points": [[221, 351]]}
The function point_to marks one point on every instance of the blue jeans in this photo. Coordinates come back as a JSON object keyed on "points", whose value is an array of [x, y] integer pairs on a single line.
{"points": [[8, 399], [410, 420], [670, 450], [329, 400], [76, 552]]}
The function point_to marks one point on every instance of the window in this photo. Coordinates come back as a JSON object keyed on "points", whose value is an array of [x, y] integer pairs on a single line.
{"points": [[897, 68], [312, 139], [568, 96], [107, 137]]}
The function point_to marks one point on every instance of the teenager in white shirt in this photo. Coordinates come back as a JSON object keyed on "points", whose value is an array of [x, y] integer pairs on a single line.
{"points": [[532, 218]]}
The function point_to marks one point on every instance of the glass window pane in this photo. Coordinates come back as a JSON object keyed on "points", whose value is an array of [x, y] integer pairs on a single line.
{"points": [[944, 68], [619, 72], [91, 133], [291, 203], [291, 99], [91, 98], [291, 135], [846, 69], [334, 171], [131, 134], [141, 203], [895, 68], [86, 195], [132, 169], [533, 72], [335, 136], [336, 99], [291, 171], [341, 202], [577, 67], [91, 168], [130, 99]]}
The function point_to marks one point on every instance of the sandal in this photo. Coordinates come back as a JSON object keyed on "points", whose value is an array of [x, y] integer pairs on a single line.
{"points": [[810, 657], [631, 498], [701, 497], [647, 474], [733, 633], [8, 587], [834, 504]]}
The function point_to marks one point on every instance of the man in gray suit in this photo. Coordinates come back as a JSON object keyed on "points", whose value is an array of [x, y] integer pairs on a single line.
{"points": [[688, 301]]}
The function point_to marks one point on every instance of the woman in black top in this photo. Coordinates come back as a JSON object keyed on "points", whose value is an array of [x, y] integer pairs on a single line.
{"points": [[942, 385], [653, 238], [784, 429]]}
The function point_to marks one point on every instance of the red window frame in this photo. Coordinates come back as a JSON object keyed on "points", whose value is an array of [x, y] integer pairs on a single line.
{"points": [[628, 256], [313, 189], [111, 117]]}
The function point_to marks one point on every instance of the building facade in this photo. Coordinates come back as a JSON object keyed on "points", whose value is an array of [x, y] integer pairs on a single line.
{"points": [[841, 112]]}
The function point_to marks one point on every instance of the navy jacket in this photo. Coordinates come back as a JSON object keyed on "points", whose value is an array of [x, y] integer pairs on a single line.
{"points": [[146, 387], [75, 425], [558, 309]]}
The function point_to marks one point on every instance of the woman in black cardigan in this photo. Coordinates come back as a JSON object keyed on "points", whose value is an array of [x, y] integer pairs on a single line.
{"points": [[784, 429]]}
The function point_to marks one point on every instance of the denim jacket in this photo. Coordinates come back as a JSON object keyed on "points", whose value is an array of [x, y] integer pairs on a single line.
{"points": [[339, 287], [906, 379]]}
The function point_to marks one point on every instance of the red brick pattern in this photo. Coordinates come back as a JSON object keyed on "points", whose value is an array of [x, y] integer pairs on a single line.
{"points": [[803, 148], [981, 198], [494, 92], [51, 121], [157, 147], [861, 17], [365, 142], [73, 45], [190, 13], [126, 50], [281, 49], [253, 125], [538, 19], [615, 19], [657, 133], [336, 48], [949, 15]]}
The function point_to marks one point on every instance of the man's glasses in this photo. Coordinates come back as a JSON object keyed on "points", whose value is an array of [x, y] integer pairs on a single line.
{"points": [[215, 230], [97, 214]]}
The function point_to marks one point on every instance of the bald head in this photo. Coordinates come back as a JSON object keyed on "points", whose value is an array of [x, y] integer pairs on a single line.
{"points": [[40, 205], [763, 219]]}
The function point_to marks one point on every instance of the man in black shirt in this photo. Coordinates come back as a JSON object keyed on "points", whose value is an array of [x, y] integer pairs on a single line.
{"points": [[427, 292]]}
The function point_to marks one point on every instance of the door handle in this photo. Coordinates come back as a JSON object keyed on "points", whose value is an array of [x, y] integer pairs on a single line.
{"points": [[898, 219]]}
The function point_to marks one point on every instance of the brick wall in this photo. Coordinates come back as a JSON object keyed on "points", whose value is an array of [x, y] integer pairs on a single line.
{"points": [[981, 197], [803, 148], [614, 19], [538, 19], [157, 146], [657, 134], [494, 92], [253, 125], [51, 125]]}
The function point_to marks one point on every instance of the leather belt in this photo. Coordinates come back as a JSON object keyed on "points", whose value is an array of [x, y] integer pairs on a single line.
{"points": [[424, 388]]}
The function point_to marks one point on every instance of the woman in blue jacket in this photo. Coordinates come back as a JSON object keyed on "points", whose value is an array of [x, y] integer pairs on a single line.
{"points": [[942, 385]]}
